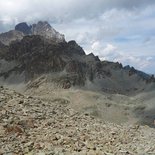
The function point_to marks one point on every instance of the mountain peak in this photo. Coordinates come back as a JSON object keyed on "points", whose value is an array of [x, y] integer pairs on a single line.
{"points": [[42, 28], [44, 23], [23, 27]]}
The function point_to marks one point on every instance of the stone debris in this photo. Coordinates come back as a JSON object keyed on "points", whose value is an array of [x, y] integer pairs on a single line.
{"points": [[31, 126]]}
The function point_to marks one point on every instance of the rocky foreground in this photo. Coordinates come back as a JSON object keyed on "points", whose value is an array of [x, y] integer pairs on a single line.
{"points": [[29, 125]]}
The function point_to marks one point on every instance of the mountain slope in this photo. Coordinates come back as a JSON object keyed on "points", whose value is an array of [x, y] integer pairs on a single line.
{"points": [[65, 63], [30, 125]]}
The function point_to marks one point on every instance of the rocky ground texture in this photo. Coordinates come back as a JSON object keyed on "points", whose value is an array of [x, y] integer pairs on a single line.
{"points": [[29, 125]]}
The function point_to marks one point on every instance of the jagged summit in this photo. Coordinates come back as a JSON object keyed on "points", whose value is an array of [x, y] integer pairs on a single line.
{"points": [[41, 28], [44, 29], [23, 27]]}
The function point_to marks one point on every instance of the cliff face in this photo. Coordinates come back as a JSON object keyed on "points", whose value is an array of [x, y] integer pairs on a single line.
{"points": [[67, 64], [36, 57], [44, 29], [8, 37]]}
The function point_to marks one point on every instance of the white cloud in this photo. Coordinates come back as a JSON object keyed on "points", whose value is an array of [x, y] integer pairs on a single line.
{"points": [[109, 48], [96, 46], [104, 50]]}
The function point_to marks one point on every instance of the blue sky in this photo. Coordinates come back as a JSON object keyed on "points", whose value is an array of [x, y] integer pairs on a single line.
{"points": [[116, 30]]}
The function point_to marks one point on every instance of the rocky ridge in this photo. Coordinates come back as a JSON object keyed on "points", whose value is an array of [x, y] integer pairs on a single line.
{"points": [[30, 126], [42, 51]]}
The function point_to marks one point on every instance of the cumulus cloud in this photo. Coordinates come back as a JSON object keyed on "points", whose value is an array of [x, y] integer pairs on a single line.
{"points": [[105, 51], [109, 48]]}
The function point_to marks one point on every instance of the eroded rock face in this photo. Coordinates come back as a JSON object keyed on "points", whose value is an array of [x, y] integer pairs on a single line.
{"points": [[37, 56], [73, 47], [44, 29], [8, 37]]}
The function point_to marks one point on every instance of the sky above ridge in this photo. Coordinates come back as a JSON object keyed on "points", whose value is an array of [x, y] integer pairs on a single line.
{"points": [[115, 30]]}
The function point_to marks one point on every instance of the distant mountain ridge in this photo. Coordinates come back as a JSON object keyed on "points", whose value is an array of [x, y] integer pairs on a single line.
{"points": [[140, 73], [41, 51], [23, 29]]}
